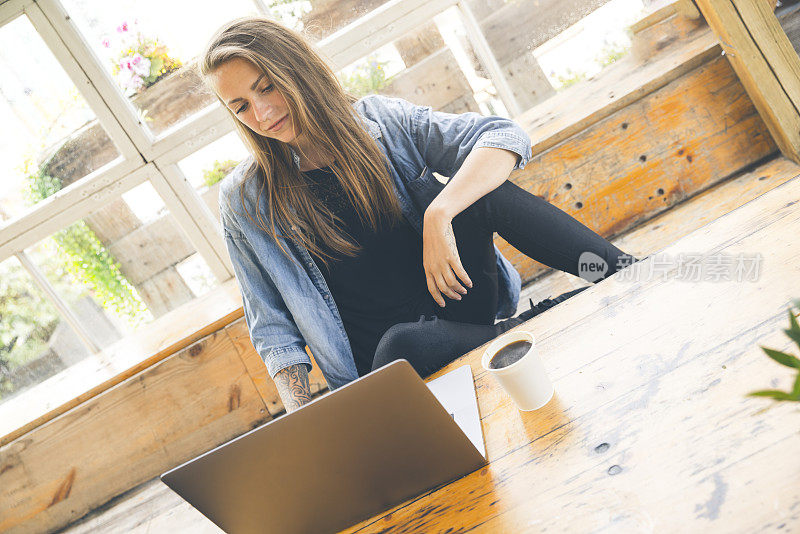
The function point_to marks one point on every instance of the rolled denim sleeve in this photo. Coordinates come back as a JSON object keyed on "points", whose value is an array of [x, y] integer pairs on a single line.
{"points": [[273, 331], [445, 139]]}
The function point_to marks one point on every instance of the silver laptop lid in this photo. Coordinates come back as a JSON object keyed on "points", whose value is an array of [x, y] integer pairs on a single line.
{"points": [[340, 459]]}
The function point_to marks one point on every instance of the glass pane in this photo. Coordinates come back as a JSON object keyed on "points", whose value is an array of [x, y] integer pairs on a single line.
{"points": [[427, 66], [583, 50], [50, 138], [208, 166], [320, 18], [34, 340], [123, 266], [541, 48], [150, 47], [153, 58], [119, 271]]}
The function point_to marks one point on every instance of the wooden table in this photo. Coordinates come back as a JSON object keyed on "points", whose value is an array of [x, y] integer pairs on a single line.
{"points": [[649, 429]]}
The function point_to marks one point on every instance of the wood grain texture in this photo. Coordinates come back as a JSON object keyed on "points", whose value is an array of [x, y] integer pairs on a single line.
{"points": [[649, 156], [749, 38], [774, 45], [650, 428], [191, 402], [435, 81]]}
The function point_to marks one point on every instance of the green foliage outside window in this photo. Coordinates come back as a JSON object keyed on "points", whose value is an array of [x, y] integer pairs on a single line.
{"points": [[27, 320], [86, 258], [218, 171], [366, 79]]}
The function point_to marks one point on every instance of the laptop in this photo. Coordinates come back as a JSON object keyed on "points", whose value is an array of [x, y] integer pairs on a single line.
{"points": [[342, 458]]}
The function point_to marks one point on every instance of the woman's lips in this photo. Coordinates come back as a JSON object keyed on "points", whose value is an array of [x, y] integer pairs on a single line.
{"points": [[278, 125]]}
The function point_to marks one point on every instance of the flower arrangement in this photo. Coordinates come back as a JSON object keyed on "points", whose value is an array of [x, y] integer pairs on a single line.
{"points": [[142, 60]]}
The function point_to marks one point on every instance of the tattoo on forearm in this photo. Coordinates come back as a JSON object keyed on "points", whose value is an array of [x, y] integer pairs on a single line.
{"points": [[292, 383]]}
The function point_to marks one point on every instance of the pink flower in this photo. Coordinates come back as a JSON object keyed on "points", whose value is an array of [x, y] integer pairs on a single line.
{"points": [[106, 43], [123, 27]]}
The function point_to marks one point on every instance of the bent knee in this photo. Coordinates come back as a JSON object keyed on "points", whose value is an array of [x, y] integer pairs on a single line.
{"points": [[395, 344]]}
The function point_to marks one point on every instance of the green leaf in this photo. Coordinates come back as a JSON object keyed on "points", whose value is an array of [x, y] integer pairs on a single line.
{"points": [[796, 389], [782, 358], [793, 321], [794, 329], [773, 393], [794, 335]]}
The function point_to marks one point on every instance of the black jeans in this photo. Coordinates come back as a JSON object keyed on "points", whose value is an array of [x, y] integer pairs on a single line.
{"points": [[530, 224]]}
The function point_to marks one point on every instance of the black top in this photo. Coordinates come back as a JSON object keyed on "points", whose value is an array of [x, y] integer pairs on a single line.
{"points": [[383, 284]]}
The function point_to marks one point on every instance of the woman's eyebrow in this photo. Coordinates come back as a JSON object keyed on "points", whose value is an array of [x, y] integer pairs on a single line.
{"points": [[252, 88]]}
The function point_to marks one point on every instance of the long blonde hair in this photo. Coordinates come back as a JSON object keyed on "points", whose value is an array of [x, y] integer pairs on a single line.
{"points": [[324, 114]]}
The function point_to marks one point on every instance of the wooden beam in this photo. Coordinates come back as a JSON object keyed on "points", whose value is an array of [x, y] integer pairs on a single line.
{"points": [[687, 8], [765, 62]]}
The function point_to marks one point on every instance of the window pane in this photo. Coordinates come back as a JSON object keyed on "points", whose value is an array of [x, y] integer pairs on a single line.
{"points": [[322, 18], [50, 138], [150, 48], [120, 271], [123, 266], [208, 166], [427, 66], [34, 340]]}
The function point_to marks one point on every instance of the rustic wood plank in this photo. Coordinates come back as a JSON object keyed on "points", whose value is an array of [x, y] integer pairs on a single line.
{"points": [[688, 9], [651, 155], [153, 506], [650, 40], [746, 46], [774, 44], [185, 405], [638, 367], [655, 12]]}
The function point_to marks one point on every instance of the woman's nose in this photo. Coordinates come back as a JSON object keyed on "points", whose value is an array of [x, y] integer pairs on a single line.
{"points": [[261, 110]]}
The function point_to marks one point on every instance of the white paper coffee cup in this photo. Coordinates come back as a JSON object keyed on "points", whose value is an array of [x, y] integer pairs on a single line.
{"points": [[525, 380]]}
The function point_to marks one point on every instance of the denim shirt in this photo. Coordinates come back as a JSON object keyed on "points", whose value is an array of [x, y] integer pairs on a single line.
{"points": [[287, 305]]}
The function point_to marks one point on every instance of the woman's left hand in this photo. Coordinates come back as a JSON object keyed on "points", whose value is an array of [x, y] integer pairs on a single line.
{"points": [[440, 259]]}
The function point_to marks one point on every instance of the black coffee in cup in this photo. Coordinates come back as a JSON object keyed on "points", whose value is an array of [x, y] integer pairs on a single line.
{"points": [[509, 354]]}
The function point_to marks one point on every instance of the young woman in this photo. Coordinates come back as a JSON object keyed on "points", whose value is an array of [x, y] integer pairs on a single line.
{"points": [[341, 237]]}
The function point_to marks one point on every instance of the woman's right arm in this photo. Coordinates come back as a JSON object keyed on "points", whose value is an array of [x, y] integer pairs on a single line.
{"points": [[292, 384], [272, 329]]}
